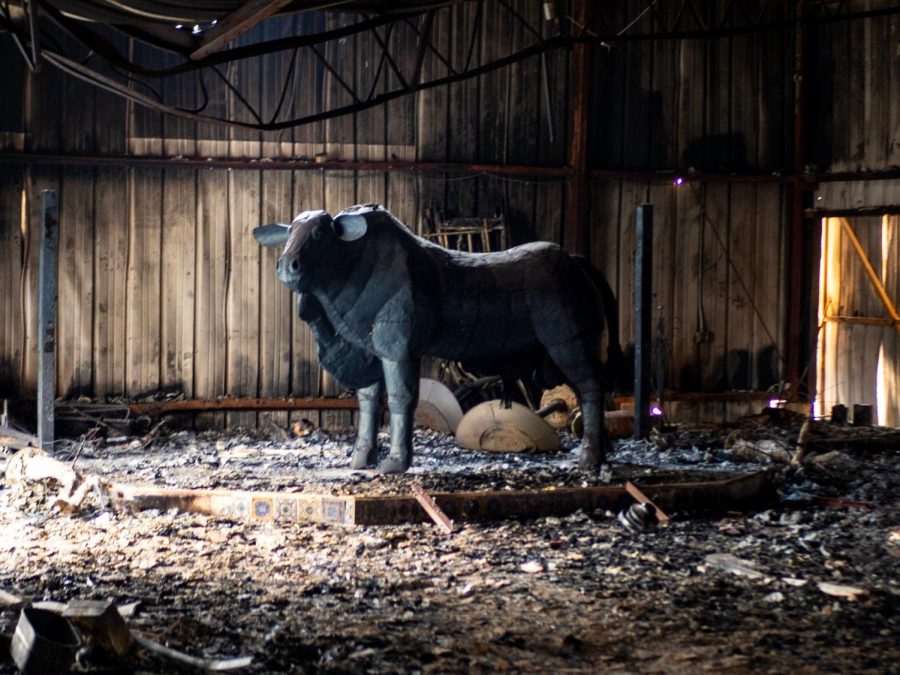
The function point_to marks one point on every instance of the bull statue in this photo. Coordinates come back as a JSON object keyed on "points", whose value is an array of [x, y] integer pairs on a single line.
{"points": [[378, 298]]}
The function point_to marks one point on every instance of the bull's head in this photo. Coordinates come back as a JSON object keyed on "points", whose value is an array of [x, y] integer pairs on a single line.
{"points": [[309, 242]]}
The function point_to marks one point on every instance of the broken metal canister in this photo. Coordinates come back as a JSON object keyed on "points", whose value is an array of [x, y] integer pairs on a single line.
{"points": [[44, 642], [637, 517]]}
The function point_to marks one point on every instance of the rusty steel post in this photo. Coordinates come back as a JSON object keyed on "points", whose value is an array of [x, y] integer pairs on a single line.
{"points": [[799, 188], [575, 229], [643, 301], [47, 293]]}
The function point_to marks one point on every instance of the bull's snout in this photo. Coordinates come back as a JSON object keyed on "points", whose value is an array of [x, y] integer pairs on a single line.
{"points": [[288, 270]]}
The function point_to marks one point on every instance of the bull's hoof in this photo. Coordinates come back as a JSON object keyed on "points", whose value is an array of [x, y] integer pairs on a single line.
{"points": [[590, 462], [394, 464], [364, 457], [592, 458]]}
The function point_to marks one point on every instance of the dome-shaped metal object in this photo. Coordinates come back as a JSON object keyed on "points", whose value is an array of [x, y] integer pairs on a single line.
{"points": [[438, 408], [489, 426]]}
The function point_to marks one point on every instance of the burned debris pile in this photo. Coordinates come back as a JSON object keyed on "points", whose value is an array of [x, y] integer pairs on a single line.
{"points": [[806, 577]]}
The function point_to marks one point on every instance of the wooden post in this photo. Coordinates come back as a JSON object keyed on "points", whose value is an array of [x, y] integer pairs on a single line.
{"points": [[47, 316], [577, 191], [643, 300]]}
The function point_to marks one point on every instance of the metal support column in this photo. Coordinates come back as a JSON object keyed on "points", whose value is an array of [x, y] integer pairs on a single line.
{"points": [[800, 189], [643, 300], [575, 227], [47, 316]]}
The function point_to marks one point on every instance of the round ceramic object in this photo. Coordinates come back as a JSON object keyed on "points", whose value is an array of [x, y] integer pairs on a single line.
{"points": [[438, 408], [489, 426]]}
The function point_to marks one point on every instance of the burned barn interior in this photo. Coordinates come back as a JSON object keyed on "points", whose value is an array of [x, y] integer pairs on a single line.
{"points": [[449, 336]]}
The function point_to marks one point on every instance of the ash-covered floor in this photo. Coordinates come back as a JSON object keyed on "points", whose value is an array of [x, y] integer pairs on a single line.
{"points": [[804, 584]]}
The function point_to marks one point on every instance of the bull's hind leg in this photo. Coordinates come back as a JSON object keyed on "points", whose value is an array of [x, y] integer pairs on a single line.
{"points": [[581, 368], [401, 378], [365, 452], [595, 443]]}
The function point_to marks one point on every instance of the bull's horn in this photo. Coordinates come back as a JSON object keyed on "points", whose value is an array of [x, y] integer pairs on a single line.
{"points": [[350, 227], [274, 234]]}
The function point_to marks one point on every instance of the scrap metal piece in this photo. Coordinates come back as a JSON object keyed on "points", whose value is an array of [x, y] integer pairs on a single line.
{"points": [[633, 490], [735, 565], [101, 622], [44, 642], [438, 408], [491, 427], [638, 517], [432, 509], [214, 665], [10, 601]]}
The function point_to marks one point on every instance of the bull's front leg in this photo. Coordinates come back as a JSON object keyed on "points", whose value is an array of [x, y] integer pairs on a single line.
{"points": [[365, 452], [401, 378]]}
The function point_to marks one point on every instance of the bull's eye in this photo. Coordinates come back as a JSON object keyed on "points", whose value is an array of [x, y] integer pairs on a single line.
{"points": [[317, 233]]}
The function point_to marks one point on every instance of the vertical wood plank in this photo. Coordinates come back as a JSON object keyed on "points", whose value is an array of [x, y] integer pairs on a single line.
{"points": [[663, 198], [462, 131], [632, 193], [340, 192], [242, 292], [143, 292], [713, 285], [211, 264], [769, 258], [309, 78], [111, 235], [12, 82], [742, 277], [146, 126], [340, 132], [178, 280], [74, 350], [12, 260], [309, 193], [110, 111], [686, 265], [275, 301], [275, 70]]}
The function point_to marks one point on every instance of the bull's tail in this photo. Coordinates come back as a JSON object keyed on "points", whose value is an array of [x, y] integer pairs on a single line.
{"points": [[615, 359]]}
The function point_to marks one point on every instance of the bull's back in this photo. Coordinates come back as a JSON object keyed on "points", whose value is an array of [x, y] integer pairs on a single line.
{"points": [[487, 300]]}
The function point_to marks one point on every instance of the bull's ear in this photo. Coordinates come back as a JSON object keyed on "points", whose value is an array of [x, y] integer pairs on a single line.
{"points": [[350, 227], [275, 234]]}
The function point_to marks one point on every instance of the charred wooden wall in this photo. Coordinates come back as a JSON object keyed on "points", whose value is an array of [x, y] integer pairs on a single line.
{"points": [[162, 286]]}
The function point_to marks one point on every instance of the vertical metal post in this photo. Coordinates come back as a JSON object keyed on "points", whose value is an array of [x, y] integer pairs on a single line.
{"points": [[47, 316], [800, 187], [643, 270], [577, 206]]}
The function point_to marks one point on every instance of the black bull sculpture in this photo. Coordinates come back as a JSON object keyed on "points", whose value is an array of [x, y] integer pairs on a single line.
{"points": [[378, 298]]}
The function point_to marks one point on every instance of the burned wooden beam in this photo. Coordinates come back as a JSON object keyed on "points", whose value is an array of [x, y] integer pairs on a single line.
{"points": [[11, 438], [477, 506], [249, 404]]}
